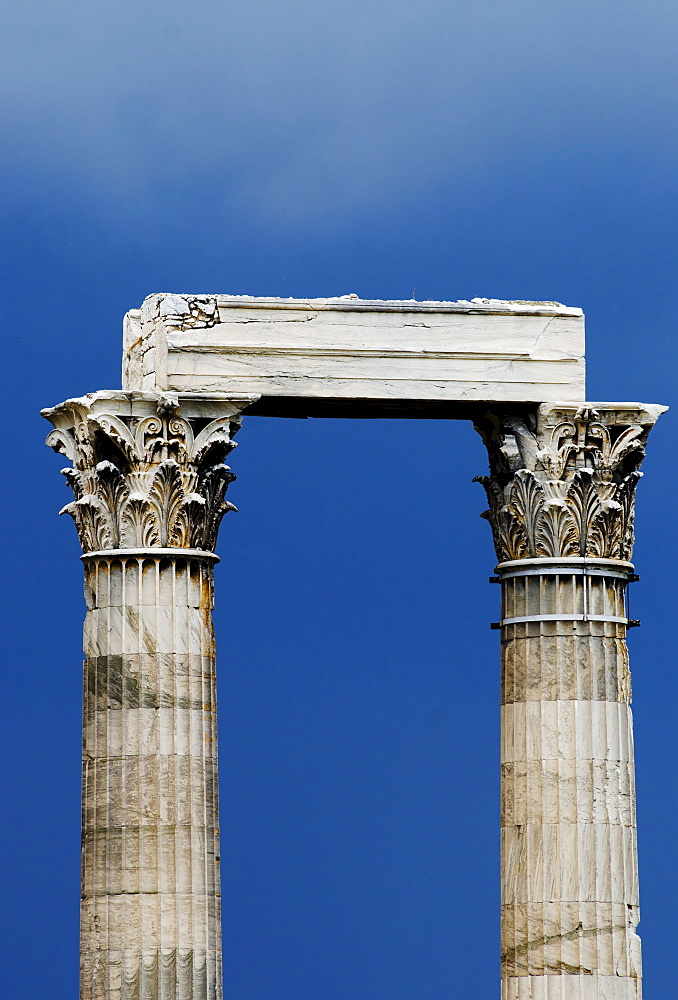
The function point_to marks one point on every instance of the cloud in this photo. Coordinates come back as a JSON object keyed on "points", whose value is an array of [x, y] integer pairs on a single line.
{"points": [[302, 107]]}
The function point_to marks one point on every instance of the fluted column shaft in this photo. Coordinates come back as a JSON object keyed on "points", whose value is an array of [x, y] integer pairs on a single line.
{"points": [[150, 920], [149, 485], [568, 838], [561, 496]]}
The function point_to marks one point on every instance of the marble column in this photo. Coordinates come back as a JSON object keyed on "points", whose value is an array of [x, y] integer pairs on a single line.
{"points": [[149, 485], [561, 496]]}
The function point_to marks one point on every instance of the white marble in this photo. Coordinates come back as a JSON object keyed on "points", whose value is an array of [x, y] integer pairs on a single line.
{"points": [[561, 494], [150, 485], [350, 348], [150, 890]]}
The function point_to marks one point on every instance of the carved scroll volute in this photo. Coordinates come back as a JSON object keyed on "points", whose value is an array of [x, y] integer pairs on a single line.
{"points": [[563, 478], [144, 473]]}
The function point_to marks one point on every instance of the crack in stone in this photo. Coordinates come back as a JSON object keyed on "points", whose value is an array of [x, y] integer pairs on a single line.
{"points": [[572, 935]]}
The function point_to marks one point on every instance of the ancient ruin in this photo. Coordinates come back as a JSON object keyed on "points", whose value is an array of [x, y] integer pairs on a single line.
{"points": [[149, 483]]}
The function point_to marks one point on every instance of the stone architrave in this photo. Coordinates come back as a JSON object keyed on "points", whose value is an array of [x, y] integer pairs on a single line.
{"points": [[149, 484], [561, 505], [355, 350]]}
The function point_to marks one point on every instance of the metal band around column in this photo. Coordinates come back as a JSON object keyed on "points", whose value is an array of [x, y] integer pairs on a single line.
{"points": [[574, 567], [153, 553]]}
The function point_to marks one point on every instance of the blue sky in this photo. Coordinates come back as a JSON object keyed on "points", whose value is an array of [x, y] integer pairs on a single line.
{"points": [[516, 150]]}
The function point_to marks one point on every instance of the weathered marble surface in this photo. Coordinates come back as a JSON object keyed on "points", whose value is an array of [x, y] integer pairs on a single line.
{"points": [[350, 348], [569, 873], [561, 491], [149, 485], [147, 472], [150, 866], [570, 987]]}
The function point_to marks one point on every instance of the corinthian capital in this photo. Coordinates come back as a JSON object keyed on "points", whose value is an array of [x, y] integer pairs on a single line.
{"points": [[147, 469], [563, 478]]}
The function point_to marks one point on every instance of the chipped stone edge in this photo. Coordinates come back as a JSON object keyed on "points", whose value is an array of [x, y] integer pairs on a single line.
{"points": [[167, 304]]}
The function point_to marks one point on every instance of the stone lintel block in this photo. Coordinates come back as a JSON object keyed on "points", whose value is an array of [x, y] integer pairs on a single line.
{"points": [[347, 348]]}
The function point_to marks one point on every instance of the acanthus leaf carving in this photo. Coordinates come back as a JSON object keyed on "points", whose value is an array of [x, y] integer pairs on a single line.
{"points": [[562, 479], [147, 476], [525, 508], [556, 531], [213, 486]]}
